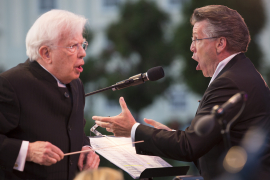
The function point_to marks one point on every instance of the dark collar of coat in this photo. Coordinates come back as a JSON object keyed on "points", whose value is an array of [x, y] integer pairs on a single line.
{"points": [[231, 63]]}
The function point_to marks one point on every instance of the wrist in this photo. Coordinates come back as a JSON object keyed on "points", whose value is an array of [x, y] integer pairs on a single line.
{"points": [[28, 155]]}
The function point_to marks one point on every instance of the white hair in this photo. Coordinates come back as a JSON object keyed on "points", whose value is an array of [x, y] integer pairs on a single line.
{"points": [[49, 28]]}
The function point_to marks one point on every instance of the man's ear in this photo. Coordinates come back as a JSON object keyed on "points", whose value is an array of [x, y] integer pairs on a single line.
{"points": [[221, 44], [44, 52]]}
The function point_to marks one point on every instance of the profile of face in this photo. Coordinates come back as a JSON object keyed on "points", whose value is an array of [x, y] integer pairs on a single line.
{"points": [[66, 65], [204, 50]]}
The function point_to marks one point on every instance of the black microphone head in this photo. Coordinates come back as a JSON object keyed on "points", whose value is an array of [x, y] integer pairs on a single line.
{"points": [[204, 125], [155, 73]]}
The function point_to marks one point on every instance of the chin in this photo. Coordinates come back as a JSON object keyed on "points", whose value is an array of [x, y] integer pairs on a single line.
{"points": [[76, 76], [205, 75]]}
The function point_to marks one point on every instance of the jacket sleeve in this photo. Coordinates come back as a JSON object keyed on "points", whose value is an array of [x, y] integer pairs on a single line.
{"points": [[187, 145], [9, 120], [86, 140]]}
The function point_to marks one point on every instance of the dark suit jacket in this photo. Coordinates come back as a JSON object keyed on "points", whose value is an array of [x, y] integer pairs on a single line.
{"points": [[238, 75], [34, 108]]}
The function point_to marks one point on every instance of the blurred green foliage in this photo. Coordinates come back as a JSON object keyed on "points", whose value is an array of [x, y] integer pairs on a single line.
{"points": [[253, 13], [136, 44]]}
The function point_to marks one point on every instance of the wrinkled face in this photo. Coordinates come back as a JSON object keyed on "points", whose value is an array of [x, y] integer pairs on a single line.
{"points": [[67, 66], [204, 51]]}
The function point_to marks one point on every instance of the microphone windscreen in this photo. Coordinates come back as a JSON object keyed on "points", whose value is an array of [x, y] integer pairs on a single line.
{"points": [[155, 73], [204, 125]]}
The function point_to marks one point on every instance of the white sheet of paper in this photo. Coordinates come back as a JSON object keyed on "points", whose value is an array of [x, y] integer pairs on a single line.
{"points": [[125, 156]]}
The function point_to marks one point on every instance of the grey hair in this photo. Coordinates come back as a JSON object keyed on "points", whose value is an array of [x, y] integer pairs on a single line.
{"points": [[210, 30], [224, 22], [49, 28]]}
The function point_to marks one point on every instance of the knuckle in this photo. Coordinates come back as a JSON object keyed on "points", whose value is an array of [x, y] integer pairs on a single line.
{"points": [[46, 151], [43, 159], [47, 144]]}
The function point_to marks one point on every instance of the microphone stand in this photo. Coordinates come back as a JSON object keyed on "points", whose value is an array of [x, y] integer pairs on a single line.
{"points": [[225, 128], [101, 90], [225, 133], [120, 85]]}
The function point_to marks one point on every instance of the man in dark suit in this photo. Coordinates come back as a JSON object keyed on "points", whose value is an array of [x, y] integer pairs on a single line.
{"points": [[42, 104], [220, 38]]}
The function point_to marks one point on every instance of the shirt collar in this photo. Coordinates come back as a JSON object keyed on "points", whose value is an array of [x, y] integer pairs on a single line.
{"points": [[221, 65], [59, 83]]}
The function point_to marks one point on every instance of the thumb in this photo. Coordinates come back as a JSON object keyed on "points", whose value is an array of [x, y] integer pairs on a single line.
{"points": [[150, 121], [123, 104]]}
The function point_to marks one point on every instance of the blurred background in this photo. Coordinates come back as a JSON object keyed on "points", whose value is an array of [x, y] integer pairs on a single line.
{"points": [[127, 37]]}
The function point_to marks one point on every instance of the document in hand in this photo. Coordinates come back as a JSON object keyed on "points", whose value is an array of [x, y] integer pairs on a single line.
{"points": [[125, 156]]}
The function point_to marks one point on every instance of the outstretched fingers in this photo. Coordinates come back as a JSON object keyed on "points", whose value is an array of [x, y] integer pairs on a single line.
{"points": [[123, 105], [103, 124], [102, 119], [150, 121], [156, 124]]}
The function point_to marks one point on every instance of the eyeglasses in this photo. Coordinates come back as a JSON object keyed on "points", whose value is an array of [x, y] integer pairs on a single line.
{"points": [[75, 47], [194, 40]]}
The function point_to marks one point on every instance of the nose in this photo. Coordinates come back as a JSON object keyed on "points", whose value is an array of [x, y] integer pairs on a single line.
{"points": [[81, 52], [192, 47]]}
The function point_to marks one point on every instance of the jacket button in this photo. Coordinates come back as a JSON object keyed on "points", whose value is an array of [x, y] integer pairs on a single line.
{"points": [[66, 95], [69, 128], [70, 162]]}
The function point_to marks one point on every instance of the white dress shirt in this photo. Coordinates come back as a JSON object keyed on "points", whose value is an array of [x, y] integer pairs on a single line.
{"points": [[220, 66]]}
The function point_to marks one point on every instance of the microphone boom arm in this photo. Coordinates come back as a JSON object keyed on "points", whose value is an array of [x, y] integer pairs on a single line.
{"points": [[152, 74], [100, 90], [225, 127], [122, 84]]}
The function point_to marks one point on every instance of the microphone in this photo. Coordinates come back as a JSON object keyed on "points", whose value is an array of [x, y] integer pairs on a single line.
{"points": [[152, 74], [206, 123], [231, 102]]}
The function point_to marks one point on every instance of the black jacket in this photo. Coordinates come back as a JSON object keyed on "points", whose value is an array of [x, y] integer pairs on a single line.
{"points": [[238, 75], [34, 108]]}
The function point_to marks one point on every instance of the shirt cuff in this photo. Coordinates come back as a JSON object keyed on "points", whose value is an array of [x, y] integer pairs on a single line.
{"points": [[20, 162], [133, 130], [87, 146]]}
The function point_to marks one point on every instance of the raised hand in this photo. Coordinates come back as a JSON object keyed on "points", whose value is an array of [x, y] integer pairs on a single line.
{"points": [[121, 124]]}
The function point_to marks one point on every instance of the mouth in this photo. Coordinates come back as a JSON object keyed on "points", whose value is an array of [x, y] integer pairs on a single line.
{"points": [[198, 66], [79, 68]]}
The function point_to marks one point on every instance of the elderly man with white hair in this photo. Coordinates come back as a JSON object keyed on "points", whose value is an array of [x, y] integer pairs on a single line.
{"points": [[42, 104]]}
